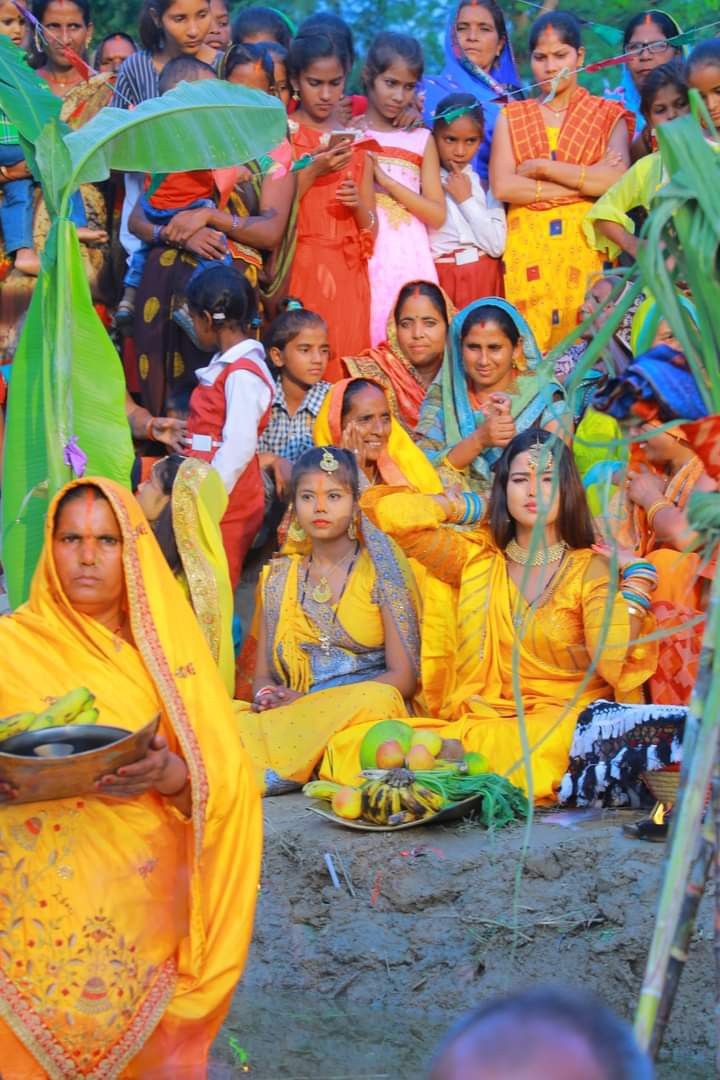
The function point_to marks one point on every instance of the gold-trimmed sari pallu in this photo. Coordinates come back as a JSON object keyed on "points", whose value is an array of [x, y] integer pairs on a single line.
{"points": [[570, 647], [332, 655], [118, 954]]}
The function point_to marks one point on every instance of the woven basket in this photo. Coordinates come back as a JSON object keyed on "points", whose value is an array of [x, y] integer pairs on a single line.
{"points": [[662, 784]]}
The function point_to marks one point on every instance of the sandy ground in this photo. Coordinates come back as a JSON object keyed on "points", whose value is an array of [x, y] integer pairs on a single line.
{"points": [[361, 981]]}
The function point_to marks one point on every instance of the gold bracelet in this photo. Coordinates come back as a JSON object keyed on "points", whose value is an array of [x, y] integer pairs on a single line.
{"points": [[447, 464], [635, 611], [653, 511], [581, 180], [538, 191]]}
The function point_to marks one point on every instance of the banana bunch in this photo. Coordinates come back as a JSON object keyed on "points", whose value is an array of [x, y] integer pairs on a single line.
{"points": [[396, 798], [75, 707]]}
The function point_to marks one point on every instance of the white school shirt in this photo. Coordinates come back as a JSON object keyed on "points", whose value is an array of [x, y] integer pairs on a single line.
{"points": [[247, 397], [478, 222]]}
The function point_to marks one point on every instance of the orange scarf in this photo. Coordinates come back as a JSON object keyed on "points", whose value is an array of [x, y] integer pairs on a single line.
{"points": [[584, 135]]}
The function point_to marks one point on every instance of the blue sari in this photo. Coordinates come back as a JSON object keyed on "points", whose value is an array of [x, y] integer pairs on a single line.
{"points": [[462, 76], [447, 415]]}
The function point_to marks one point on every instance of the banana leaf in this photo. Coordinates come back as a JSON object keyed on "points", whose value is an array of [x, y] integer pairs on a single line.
{"points": [[26, 99], [67, 381]]}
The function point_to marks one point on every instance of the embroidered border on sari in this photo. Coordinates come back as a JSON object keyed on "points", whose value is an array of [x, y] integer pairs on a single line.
{"points": [[58, 1063], [196, 567], [396, 586]]}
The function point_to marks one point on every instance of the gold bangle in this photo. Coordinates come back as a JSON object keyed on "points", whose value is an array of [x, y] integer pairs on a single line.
{"points": [[652, 512], [538, 191], [581, 179], [635, 611]]}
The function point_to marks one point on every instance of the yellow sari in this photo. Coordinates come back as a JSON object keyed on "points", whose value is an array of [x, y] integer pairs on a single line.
{"points": [[554, 641], [126, 924], [330, 655], [199, 500]]}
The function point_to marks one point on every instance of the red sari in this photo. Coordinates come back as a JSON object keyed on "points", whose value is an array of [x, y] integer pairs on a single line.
{"points": [[330, 268]]}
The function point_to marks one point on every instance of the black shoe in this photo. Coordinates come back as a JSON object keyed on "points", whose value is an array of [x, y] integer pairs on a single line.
{"points": [[653, 828]]}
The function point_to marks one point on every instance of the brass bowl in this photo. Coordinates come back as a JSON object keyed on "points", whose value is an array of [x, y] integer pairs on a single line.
{"points": [[64, 762]]}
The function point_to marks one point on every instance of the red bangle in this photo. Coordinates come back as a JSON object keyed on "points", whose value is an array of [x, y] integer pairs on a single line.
{"points": [[264, 690]]}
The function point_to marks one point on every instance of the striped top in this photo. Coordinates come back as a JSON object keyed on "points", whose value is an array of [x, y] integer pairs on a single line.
{"points": [[137, 81]]}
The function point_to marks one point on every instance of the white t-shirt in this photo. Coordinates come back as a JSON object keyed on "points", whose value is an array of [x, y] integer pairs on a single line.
{"points": [[478, 222]]}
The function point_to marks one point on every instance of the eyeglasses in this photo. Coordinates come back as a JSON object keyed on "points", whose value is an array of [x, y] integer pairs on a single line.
{"points": [[637, 48]]}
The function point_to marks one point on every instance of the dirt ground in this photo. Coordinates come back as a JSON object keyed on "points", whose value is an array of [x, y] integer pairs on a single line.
{"points": [[360, 981]]}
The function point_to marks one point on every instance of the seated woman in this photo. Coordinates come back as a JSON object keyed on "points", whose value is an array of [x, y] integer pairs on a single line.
{"points": [[338, 640], [128, 949], [493, 385], [408, 361], [357, 416], [538, 630], [184, 500]]}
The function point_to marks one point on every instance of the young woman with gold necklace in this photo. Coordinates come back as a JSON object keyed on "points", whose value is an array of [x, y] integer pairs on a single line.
{"points": [[338, 640], [532, 629]]}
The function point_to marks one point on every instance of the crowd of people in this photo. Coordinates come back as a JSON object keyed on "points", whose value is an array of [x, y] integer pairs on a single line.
{"points": [[343, 383]]}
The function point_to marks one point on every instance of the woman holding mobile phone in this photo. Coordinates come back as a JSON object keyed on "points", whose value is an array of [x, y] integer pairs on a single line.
{"points": [[336, 217]]}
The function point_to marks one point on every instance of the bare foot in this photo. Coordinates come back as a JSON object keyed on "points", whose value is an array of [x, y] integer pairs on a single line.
{"points": [[27, 262], [91, 236]]}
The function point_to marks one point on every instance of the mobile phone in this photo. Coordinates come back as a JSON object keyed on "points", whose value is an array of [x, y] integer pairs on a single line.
{"points": [[337, 138]]}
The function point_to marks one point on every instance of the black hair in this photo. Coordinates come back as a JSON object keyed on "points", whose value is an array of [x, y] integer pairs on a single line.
{"points": [[314, 45], [427, 289], [225, 293], [260, 20], [334, 26], [240, 53], [353, 388], [667, 26], [278, 52], [389, 46], [564, 23], [166, 471], [705, 53], [470, 105], [151, 35], [506, 1031], [490, 313], [183, 69], [310, 462], [97, 59], [289, 323], [574, 523], [39, 8], [493, 9], [671, 74], [75, 493]]}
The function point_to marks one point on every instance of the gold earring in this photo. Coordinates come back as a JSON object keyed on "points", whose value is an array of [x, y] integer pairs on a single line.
{"points": [[296, 532], [352, 530]]}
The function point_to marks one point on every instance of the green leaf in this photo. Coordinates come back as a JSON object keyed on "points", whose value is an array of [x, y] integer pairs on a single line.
{"points": [[25, 98], [66, 380], [202, 125]]}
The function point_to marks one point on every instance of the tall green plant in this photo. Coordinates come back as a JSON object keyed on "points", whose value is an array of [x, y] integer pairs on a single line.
{"points": [[67, 386]]}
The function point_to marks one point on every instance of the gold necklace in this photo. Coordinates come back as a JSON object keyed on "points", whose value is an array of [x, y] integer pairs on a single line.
{"points": [[322, 593], [542, 556]]}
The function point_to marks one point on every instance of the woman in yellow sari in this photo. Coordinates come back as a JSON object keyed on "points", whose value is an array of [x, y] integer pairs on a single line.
{"points": [[357, 416], [184, 500], [538, 631], [338, 640], [128, 912]]}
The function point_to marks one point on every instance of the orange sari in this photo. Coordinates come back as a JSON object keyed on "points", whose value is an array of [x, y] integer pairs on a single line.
{"points": [[125, 925]]}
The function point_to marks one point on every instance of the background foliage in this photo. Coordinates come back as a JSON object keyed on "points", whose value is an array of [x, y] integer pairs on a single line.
{"points": [[425, 19]]}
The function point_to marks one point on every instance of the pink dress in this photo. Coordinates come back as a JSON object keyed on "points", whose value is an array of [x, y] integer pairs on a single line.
{"points": [[402, 247]]}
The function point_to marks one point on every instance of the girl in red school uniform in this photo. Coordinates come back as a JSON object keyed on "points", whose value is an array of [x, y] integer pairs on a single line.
{"points": [[231, 405]]}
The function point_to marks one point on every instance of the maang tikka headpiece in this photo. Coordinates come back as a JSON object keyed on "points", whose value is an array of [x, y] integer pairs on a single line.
{"points": [[328, 462]]}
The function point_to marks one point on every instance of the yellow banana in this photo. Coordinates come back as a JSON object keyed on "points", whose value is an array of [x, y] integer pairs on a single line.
{"points": [[87, 716], [65, 709], [412, 805], [428, 798], [321, 789], [17, 724]]}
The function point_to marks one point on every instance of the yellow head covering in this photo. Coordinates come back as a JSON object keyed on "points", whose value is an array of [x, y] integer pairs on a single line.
{"points": [[401, 463]]}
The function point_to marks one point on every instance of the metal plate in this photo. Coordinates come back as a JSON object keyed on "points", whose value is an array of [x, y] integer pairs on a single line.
{"points": [[454, 812], [39, 778], [80, 737]]}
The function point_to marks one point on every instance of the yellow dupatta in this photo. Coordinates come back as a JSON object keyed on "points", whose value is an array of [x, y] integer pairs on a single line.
{"points": [[126, 955], [401, 463], [199, 500]]}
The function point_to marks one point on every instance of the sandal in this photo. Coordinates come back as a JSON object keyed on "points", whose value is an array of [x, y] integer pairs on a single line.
{"points": [[653, 828]]}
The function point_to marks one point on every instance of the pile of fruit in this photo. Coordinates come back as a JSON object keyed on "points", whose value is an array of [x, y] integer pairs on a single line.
{"points": [[409, 774], [75, 707]]}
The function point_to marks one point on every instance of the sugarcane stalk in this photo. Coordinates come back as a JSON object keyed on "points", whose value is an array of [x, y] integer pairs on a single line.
{"points": [[715, 809], [699, 871], [685, 834]]}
